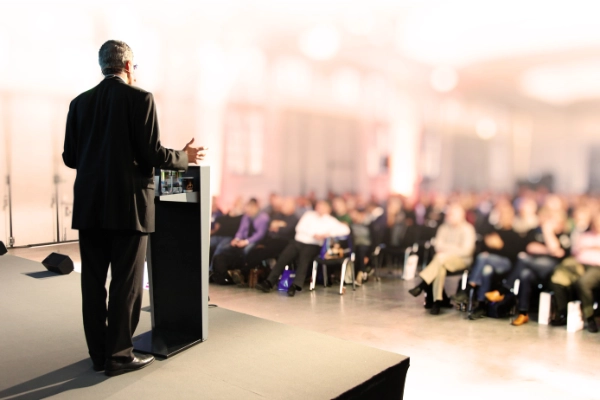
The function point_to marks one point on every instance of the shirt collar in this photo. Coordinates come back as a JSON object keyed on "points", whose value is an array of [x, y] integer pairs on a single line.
{"points": [[114, 76]]}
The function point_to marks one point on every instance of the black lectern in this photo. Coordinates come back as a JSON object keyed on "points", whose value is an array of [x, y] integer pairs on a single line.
{"points": [[178, 268]]}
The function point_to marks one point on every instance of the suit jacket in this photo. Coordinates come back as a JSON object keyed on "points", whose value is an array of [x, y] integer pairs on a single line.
{"points": [[112, 140]]}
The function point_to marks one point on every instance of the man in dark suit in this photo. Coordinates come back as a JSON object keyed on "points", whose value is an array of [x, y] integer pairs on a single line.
{"points": [[112, 140]]}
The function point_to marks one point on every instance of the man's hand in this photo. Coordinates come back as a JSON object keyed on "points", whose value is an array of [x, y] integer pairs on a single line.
{"points": [[320, 236], [241, 243], [276, 225], [194, 154], [494, 241]]}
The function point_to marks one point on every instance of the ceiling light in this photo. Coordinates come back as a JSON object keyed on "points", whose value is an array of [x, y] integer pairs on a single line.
{"points": [[486, 128], [321, 42], [444, 79], [563, 83]]}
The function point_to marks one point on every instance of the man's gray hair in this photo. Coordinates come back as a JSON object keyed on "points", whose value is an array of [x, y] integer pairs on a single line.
{"points": [[113, 55]]}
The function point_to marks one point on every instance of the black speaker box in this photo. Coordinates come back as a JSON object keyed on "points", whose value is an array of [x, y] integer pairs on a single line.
{"points": [[58, 263], [2, 249]]}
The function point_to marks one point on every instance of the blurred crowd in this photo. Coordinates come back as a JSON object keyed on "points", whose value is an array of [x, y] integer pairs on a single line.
{"points": [[511, 246]]}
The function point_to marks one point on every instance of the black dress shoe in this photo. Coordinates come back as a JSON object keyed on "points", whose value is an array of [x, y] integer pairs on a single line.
{"points": [[460, 297], [98, 367], [114, 368], [416, 291], [264, 286], [446, 304], [291, 291], [559, 321], [435, 309], [478, 313], [592, 326]]}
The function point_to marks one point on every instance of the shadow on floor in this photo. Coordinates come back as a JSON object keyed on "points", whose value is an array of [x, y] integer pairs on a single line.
{"points": [[75, 376], [42, 274]]}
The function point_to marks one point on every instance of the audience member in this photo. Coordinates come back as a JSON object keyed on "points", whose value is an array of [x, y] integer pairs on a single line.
{"points": [[500, 248], [225, 228], [215, 212], [340, 210], [527, 218], [312, 230], [252, 229], [584, 274], [274, 206], [454, 246], [395, 223], [547, 246], [570, 269], [282, 230], [361, 235], [303, 205]]}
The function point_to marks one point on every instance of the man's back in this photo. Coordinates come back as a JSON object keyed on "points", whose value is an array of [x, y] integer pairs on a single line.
{"points": [[112, 139]]}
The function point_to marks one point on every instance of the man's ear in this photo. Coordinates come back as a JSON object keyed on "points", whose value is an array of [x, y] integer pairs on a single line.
{"points": [[129, 67]]}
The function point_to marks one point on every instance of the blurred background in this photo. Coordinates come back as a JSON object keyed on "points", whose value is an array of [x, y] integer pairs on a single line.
{"points": [[294, 97]]}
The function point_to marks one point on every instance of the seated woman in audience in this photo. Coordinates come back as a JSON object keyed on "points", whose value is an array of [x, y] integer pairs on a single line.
{"points": [[583, 272], [454, 246], [570, 269], [312, 230], [588, 254], [546, 247], [500, 248]]}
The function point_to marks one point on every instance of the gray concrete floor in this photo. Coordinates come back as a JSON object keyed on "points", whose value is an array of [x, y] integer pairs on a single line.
{"points": [[451, 358]]}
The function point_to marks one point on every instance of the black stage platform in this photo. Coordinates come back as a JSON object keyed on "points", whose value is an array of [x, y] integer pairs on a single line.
{"points": [[43, 354]]}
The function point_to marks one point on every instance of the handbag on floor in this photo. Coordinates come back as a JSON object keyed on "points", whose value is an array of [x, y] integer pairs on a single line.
{"points": [[287, 279], [253, 277]]}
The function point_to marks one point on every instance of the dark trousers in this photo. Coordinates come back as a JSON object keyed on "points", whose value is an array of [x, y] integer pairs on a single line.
{"points": [[269, 248], [359, 261], [482, 273], [563, 295], [303, 254], [531, 271], [109, 330], [585, 286]]}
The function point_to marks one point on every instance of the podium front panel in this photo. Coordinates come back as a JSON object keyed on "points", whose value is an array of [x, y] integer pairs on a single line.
{"points": [[178, 266]]}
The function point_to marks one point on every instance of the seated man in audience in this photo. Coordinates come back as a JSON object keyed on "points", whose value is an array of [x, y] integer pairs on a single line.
{"points": [[282, 230], [252, 230], [587, 252], [454, 246], [312, 230], [547, 246], [501, 246]]}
